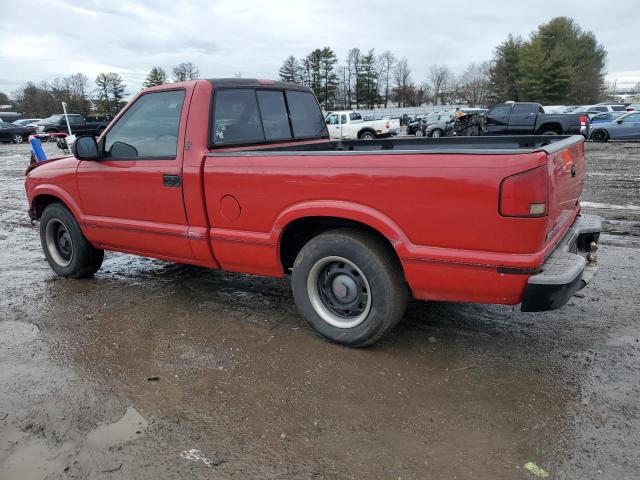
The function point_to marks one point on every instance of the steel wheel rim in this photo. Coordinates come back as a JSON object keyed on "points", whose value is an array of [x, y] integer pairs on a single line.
{"points": [[17, 138], [339, 292], [436, 134], [418, 133], [59, 243]]}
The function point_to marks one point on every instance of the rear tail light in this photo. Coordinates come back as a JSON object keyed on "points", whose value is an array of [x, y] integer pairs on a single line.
{"points": [[525, 194], [387, 125], [583, 120]]}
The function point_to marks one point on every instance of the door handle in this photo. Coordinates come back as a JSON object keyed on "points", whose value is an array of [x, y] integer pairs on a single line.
{"points": [[171, 180]]}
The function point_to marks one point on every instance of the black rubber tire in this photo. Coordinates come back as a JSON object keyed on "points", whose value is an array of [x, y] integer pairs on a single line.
{"points": [[419, 133], [550, 132], [85, 259], [381, 269], [441, 133], [367, 136], [600, 136]]}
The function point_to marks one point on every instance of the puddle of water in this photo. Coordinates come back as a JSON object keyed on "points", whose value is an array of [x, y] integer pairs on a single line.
{"points": [[14, 333], [610, 207], [32, 461], [129, 427]]}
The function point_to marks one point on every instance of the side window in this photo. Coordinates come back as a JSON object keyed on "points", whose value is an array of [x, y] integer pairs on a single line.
{"points": [[305, 114], [523, 109], [634, 117], [601, 109], [273, 110], [343, 118], [75, 120], [499, 111], [236, 117], [148, 129], [332, 119], [355, 116]]}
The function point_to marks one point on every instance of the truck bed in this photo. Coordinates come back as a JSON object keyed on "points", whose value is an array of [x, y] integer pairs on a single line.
{"points": [[462, 145]]}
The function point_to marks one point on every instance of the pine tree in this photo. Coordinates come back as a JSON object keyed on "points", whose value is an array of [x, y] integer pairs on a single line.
{"points": [[290, 70], [157, 76], [117, 89], [505, 71], [103, 94]]}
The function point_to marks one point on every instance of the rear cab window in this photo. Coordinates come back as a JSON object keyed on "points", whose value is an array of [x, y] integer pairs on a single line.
{"points": [[249, 116]]}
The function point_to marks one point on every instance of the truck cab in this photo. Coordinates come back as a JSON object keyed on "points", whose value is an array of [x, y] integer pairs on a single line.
{"points": [[529, 118]]}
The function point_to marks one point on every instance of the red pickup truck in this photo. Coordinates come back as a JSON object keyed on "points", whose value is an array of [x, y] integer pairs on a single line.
{"points": [[241, 175]]}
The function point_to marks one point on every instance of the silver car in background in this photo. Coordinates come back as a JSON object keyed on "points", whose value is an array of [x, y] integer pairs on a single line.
{"points": [[626, 127]]}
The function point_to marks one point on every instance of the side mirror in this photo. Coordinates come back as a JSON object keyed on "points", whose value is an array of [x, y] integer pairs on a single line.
{"points": [[86, 148]]}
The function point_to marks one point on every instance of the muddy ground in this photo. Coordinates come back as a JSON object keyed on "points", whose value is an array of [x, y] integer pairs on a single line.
{"points": [[152, 370]]}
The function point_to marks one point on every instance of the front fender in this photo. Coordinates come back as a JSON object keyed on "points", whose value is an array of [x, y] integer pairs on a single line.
{"points": [[60, 194]]}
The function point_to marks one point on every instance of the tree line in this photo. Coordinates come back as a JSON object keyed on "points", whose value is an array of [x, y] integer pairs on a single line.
{"points": [[106, 98], [559, 64]]}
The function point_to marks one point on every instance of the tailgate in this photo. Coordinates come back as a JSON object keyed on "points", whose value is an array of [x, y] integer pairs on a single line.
{"points": [[566, 181]]}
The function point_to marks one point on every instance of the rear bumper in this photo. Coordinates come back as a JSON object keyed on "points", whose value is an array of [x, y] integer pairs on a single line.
{"points": [[569, 268]]}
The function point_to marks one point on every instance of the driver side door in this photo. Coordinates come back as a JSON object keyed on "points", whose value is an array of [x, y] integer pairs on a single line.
{"points": [[132, 198]]}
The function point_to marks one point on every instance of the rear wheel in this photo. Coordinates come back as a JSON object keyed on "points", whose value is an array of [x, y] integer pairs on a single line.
{"points": [[367, 136], [437, 133], [67, 251], [600, 136], [349, 287], [550, 132], [17, 139]]}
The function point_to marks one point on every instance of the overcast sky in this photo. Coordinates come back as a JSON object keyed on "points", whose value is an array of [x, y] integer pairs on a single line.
{"points": [[40, 40]]}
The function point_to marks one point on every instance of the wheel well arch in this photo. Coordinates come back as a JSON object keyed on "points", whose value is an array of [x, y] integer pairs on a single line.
{"points": [[299, 231], [366, 129], [40, 202], [546, 127]]}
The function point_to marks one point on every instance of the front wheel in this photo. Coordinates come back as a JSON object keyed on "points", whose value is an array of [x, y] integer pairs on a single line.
{"points": [[600, 136], [18, 139], [437, 133], [67, 251], [349, 287], [419, 133]]}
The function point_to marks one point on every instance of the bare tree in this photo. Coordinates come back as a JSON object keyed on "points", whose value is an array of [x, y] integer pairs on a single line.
{"points": [[440, 76], [185, 71], [402, 81], [386, 64], [353, 74], [473, 84]]}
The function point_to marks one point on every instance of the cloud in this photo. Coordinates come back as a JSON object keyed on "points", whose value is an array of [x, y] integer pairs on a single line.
{"points": [[253, 37]]}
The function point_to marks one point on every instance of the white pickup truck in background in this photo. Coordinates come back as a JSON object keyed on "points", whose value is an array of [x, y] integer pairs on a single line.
{"points": [[349, 125]]}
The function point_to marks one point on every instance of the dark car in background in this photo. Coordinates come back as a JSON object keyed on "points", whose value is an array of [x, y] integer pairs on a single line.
{"points": [[79, 125], [431, 119], [529, 118], [12, 133]]}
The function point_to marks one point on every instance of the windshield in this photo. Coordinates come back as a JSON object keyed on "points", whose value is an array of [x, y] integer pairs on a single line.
{"points": [[54, 118]]}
